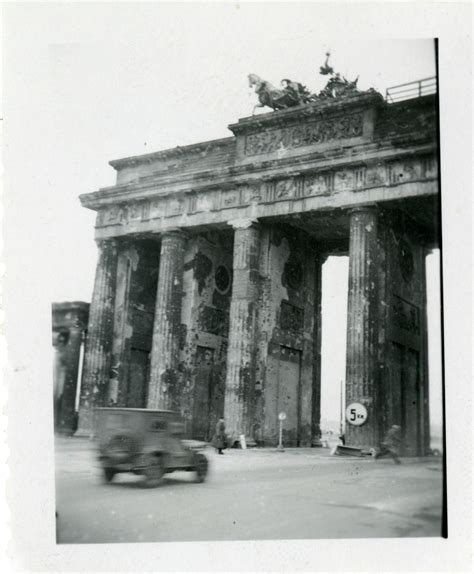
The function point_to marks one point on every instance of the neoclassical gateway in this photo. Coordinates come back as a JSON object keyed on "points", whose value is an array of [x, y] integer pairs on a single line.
{"points": [[207, 295]]}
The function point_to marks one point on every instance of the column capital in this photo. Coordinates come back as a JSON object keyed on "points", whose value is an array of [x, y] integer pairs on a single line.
{"points": [[174, 233], [243, 223], [110, 242], [368, 208], [321, 257]]}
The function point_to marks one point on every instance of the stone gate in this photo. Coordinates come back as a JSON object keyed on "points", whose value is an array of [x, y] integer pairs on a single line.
{"points": [[207, 296]]}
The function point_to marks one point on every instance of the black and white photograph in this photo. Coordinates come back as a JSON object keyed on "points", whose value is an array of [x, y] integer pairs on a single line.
{"points": [[227, 251]]}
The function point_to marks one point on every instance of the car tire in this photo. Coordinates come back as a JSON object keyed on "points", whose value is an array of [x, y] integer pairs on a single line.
{"points": [[109, 474], [153, 473], [201, 467], [121, 448]]}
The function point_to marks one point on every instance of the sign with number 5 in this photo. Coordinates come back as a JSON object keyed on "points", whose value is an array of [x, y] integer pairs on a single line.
{"points": [[356, 414]]}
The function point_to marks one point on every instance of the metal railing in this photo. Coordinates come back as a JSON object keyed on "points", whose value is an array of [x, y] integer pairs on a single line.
{"points": [[411, 90]]}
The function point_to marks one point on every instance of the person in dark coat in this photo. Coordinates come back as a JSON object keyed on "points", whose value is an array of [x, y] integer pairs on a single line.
{"points": [[391, 444], [219, 438]]}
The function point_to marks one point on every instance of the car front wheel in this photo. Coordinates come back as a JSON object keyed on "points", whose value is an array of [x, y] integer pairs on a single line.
{"points": [[153, 473], [201, 467]]}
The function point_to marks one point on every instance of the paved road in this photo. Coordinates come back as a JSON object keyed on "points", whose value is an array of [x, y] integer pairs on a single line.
{"points": [[249, 495]]}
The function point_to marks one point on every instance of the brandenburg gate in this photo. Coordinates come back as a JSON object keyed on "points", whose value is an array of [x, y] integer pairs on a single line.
{"points": [[207, 294]]}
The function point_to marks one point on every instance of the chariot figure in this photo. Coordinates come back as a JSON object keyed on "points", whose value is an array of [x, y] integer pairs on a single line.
{"points": [[291, 94]]}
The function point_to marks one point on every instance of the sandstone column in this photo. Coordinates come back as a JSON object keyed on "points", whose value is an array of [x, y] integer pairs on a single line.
{"points": [[241, 354], [97, 359], [362, 332], [316, 395], [163, 392]]}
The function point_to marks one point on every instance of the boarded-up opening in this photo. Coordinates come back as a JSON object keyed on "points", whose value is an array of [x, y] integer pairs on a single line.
{"points": [[288, 397]]}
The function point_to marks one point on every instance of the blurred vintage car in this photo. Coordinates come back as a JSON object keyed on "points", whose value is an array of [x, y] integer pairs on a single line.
{"points": [[146, 442]]}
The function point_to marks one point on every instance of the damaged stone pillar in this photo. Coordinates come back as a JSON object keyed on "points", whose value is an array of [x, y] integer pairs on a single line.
{"points": [[241, 354], [362, 326], [66, 422], [316, 394], [162, 390], [98, 351]]}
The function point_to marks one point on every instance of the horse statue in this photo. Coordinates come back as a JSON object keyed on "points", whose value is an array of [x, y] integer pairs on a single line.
{"points": [[339, 86], [292, 93]]}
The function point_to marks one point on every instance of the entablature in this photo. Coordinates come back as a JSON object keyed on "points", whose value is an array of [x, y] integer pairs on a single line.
{"points": [[316, 156]]}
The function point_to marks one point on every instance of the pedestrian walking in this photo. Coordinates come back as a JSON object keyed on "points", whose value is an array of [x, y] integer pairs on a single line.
{"points": [[391, 444], [219, 440]]}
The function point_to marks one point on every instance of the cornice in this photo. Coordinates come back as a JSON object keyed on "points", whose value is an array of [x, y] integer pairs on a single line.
{"points": [[230, 176], [177, 151]]}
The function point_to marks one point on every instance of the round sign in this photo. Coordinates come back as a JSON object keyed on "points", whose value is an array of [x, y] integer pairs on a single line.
{"points": [[356, 414], [282, 416]]}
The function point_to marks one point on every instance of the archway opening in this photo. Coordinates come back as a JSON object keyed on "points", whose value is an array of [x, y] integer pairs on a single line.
{"points": [[335, 275]]}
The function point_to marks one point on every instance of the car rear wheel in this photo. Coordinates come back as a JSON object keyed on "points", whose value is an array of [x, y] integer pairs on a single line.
{"points": [[109, 474], [201, 467], [153, 473], [122, 448]]}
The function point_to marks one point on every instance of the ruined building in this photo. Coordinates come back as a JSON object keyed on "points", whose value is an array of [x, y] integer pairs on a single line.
{"points": [[207, 295], [69, 321]]}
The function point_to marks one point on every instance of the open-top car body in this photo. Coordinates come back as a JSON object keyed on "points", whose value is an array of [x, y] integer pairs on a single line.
{"points": [[146, 442]]}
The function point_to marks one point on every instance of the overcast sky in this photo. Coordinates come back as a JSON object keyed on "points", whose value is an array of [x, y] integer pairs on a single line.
{"points": [[104, 81]]}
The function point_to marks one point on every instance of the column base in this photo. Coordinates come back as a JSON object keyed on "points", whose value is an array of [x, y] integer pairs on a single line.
{"points": [[316, 442], [83, 433]]}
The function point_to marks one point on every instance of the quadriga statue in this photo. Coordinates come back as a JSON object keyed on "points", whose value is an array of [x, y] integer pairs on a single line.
{"points": [[289, 95]]}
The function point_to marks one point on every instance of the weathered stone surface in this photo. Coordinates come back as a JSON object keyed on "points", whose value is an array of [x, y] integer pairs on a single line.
{"points": [[163, 390], [98, 352], [240, 381], [69, 327], [301, 173], [362, 325]]}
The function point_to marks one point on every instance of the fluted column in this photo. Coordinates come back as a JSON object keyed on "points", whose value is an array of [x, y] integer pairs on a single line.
{"points": [[241, 354], [98, 350], [362, 325], [316, 394], [163, 392]]}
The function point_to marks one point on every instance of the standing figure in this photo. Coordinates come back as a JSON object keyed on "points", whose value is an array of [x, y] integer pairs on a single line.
{"points": [[219, 441], [391, 444]]}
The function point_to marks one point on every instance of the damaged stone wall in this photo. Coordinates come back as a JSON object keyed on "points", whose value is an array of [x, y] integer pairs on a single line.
{"points": [[137, 277], [207, 286], [286, 322], [403, 334], [69, 322]]}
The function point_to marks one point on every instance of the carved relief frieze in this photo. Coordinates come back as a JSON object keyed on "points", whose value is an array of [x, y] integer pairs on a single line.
{"points": [[376, 175], [430, 167], [112, 215], [405, 171], [175, 206], [205, 202], [319, 132], [323, 183], [252, 193], [319, 184], [284, 188], [157, 208], [344, 180], [135, 212], [230, 198]]}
